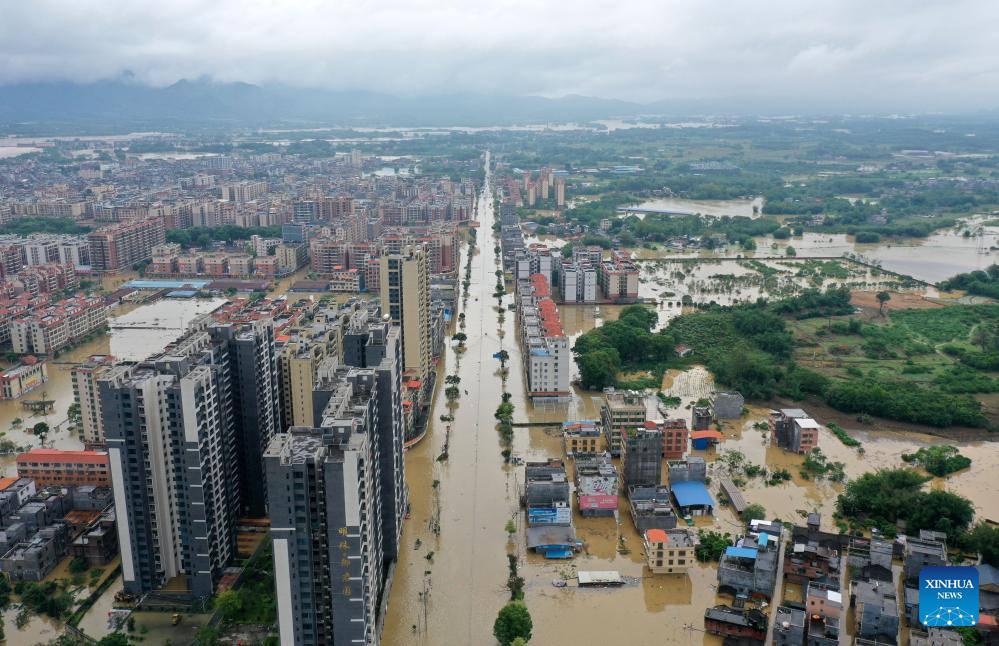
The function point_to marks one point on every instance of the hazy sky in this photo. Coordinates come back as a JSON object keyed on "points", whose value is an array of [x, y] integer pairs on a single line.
{"points": [[852, 54]]}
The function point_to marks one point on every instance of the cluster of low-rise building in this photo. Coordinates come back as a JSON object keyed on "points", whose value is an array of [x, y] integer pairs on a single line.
{"points": [[42, 525], [50, 328]]}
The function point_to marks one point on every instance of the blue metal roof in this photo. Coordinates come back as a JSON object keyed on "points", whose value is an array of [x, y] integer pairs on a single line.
{"points": [[692, 493], [763, 539], [165, 283], [741, 552]]}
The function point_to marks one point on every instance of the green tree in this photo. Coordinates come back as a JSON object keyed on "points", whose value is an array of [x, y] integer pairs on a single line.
{"points": [[984, 538], [754, 512], [883, 298], [41, 431], [599, 369], [940, 460], [941, 511], [206, 636], [114, 639], [78, 565], [513, 621], [228, 603]]}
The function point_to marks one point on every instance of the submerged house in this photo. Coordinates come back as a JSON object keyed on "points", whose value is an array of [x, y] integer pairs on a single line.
{"points": [[549, 510], [749, 568]]}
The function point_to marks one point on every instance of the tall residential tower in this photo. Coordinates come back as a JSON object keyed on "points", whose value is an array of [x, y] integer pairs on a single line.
{"points": [[184, 432]]}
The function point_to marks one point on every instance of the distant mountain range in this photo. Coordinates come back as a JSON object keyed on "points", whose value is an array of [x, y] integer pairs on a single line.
{"points": [[205, 102]]}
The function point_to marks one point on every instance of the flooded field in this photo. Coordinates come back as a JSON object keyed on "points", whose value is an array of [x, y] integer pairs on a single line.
{"points": [[934, 258], [671, 282], [141, 332], [714, 208]]}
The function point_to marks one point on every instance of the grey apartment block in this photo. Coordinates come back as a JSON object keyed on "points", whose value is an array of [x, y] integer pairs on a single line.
{"points": [[926, 550], [651, 508], [751, 576], [256, 404], [789, 626], [372, 342], [34, 558], [181, 443], [876, 610], [326, 519]]}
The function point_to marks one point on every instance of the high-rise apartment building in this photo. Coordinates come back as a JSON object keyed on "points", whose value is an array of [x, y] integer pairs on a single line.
{"points": [[326, 519], [546, 348], [253, 372], [371, 341], [121, 245], [405, 295], [182, 428], [302, 351], [87, 396]]}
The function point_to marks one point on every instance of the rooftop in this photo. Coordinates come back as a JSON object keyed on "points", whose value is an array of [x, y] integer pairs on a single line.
{"points": [[692, 493], [63, 456]]}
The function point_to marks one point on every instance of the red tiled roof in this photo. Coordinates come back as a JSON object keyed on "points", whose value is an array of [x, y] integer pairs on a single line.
{"points": [[698, 435], [69, 457], [549, 317], [540, 284], [656, 536]]}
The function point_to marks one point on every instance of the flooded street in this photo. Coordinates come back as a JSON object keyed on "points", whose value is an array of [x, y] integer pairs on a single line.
{"points": [[452, 595], [450, 580], [450, 585], [474, 493]]}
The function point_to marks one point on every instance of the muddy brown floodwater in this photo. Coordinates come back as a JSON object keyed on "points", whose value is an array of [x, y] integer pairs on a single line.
{"points": [[453, 597], [449, 584]]}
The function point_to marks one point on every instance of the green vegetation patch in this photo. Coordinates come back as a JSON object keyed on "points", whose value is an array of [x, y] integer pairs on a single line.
{"points": [[940, 460], [882, 498]]}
